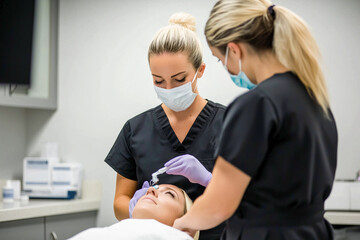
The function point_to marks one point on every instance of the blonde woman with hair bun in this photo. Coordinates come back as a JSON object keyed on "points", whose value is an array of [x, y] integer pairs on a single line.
{"points": [[277, 155], [183, 19], [182, 133]]}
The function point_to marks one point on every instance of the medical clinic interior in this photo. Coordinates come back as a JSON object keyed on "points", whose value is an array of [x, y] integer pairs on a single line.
{"points": [[179, 119]]}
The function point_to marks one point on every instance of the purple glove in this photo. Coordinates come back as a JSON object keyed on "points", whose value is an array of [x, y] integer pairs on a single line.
{"points": [[189, 167], [137, 195]]}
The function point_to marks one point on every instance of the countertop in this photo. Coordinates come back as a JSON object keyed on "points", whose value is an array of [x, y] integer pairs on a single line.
{"points": [[18, 210], [343, 217]]}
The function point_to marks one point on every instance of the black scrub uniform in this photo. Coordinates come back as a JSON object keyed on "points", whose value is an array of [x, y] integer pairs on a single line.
{"points": [[279, 136], [148, 141]]}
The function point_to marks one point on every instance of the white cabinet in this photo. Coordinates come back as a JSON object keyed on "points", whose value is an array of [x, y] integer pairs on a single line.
{"points": [[67, 225], [29, 229], [58, 227], [43, 91]]}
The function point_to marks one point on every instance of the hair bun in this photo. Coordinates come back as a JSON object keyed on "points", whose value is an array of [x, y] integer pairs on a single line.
{"points": [[183, 19]]}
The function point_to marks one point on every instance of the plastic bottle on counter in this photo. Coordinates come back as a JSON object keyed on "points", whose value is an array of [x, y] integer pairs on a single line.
{"points": [[8, 193]]}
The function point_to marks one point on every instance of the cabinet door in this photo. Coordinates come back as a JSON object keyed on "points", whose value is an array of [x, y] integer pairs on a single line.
{"points": [[42, 93], [29, 229], [67, 225]]}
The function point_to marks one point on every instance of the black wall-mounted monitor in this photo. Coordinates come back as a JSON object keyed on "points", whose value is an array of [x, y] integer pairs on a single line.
{"points": [[16, 40]]}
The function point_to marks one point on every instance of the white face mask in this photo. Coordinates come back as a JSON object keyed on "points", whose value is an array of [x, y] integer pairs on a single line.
{"points": [[178, 98]]}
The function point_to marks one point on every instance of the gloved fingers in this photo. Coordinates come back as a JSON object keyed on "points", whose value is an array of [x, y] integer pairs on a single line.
{"points": [[139, 193], [145, 185], [131, 206], [172, 161], [142, 192], [176, 165], [175, 170]]}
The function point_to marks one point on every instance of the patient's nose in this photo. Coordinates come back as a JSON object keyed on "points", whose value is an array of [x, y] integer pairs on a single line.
{"points": [[152, 191]]}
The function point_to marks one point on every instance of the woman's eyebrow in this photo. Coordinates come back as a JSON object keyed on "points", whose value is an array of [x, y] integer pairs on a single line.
{"points": [[177, 74], [156, 75], [171, 76], [168, 188]]}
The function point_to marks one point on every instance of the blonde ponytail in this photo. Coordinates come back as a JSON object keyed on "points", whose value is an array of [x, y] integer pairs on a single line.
{"points": [[178, 36], [278, 30], [297, 50]]}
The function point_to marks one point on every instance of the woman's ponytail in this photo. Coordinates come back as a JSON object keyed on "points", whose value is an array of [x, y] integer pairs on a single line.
{"points": [[267, 27], [296, 49]]}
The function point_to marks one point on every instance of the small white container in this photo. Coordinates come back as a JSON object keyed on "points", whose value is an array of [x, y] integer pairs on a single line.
{"points": [[16, 185], [24, 198], [8, 192]]}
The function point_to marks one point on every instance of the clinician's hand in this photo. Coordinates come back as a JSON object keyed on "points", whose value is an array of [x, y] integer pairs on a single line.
{"points": [[189, 167], [179, 224], [137, 195]]}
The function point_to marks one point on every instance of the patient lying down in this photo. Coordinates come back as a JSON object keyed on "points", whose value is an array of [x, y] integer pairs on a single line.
{"points": [[153, 216]]}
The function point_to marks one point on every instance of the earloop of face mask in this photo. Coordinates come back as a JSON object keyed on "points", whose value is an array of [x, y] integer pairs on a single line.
{"points": [[240, 80], [179, 98]]}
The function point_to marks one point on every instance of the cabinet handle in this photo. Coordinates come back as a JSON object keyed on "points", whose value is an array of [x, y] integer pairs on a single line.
{"points": [[53, 236]]}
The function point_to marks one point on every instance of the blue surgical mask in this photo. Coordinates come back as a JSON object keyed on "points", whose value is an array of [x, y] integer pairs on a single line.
{"points": [[179, 98], [240, 80]]}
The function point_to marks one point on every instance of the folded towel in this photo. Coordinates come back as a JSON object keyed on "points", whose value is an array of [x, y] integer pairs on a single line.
{"points": [[133, 229]]}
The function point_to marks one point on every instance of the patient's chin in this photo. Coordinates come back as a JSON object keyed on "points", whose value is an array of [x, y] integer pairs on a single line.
{"points": [[143, 212], [146, 213]]}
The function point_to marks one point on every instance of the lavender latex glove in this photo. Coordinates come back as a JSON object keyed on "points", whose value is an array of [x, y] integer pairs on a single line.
{"points": [[137, 195], [189, 167]]}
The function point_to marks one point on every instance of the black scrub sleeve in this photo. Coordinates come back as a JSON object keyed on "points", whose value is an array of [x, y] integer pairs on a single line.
{"points": [[249, 123], [120, 157]]}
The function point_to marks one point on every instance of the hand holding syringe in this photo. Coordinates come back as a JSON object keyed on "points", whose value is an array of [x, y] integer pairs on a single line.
{"points": [[154, 178], [187, 166]]}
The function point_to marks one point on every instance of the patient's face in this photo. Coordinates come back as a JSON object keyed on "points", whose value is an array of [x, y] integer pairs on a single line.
{"points": [[164, 204]]}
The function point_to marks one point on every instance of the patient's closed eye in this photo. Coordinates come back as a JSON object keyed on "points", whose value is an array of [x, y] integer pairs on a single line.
{"points": [[172, 195]]}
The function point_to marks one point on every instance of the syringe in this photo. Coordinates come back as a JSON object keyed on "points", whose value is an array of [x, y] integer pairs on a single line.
{"points": [[155, 179]]}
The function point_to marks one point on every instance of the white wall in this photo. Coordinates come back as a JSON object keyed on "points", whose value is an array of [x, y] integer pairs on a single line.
{"points": [[12, 142], [104, 77]]}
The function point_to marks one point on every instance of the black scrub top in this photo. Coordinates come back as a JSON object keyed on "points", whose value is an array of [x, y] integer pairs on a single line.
{"points": [[279, 136], [147, 142]]}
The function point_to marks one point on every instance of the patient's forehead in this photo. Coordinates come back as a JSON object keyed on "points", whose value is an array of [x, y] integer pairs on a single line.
{"points": [[173, 187]]}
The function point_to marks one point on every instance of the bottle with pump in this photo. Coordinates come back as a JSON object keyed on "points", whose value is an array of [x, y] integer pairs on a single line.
{"points": [[8, 193]]}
